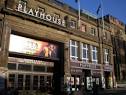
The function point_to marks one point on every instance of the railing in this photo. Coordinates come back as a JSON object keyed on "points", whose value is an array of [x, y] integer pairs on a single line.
{"points": [[72, 10], [58, 3]]}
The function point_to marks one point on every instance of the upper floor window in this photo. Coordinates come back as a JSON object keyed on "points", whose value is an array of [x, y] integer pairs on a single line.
{"points": [[72, 24], [106, 55], [93, 31], [94, 54], [73, 49], [83, 28], [104, 35], [85, 52]]}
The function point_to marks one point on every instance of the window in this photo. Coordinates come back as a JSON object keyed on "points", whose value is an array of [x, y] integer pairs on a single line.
{"points": [[72, 24], [35, 82], [83, 28], [39, 69], [24, 67], [12, 80], [106, 56], [73, 50], [50, 69], [93, 31], [94, 54], [20, 81], [11, 66], [27, 82], [105, 35], [42, 82], [84, 52]]}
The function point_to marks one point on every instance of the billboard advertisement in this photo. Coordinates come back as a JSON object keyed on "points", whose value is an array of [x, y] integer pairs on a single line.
{"points": [[23, 45]]}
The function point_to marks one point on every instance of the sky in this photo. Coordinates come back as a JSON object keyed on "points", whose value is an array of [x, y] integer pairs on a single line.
{"points": [[116, 8]]}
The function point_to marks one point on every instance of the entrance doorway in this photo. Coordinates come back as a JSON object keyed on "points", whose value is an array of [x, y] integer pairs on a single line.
{"points": [[87, 79], [107, 79], [31, 82]]}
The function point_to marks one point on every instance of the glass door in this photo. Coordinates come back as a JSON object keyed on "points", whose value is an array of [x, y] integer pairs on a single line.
{"points": [[49, 84], [27, 82], [11, 80], [20, 81], [35, 82], [42, 84]]}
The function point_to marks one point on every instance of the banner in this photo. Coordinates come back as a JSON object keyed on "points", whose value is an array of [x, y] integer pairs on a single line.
{"points": [[19, 44]]}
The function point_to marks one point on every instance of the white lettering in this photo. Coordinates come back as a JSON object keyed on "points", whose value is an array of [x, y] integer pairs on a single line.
{"points": [[59, 21], [38, 14], [20, 7], [48, 17], [31, 12], [25, 8], [54, 19], [63, 23], [42, 15]]}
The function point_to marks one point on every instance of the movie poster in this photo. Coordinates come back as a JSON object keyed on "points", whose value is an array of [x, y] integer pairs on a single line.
{"points": [[19, 44]]}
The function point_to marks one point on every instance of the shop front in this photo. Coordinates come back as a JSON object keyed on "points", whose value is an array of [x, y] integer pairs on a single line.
{"points": [[76, 79], [35, 65], [108, 76], [30, 74], [84, 74]]}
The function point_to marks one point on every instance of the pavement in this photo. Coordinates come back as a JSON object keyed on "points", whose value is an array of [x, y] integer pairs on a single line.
{"points": [[113, 91]]}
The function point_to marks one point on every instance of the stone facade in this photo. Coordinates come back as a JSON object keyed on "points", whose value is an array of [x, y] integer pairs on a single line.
{"points": [[55, 22]]}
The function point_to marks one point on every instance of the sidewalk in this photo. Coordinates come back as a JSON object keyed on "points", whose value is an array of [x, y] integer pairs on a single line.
{"points": [[113, 90]]}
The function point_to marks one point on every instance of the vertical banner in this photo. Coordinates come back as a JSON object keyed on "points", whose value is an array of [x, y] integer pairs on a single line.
{"points": [[72, 81], [103, 82], [77, 81], [89, 83]]}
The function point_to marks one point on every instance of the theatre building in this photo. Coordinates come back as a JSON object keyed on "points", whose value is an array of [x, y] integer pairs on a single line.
{"points": [[43, 48]]}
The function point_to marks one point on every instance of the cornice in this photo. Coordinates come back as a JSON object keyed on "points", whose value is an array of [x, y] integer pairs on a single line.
{"points": [[67, 30]]}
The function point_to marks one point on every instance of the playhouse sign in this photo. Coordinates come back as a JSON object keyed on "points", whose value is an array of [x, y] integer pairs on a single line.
{"points": [[22, 7]]}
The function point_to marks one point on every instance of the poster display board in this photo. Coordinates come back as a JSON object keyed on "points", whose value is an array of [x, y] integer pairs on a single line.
{"points": [[28, 46]]}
